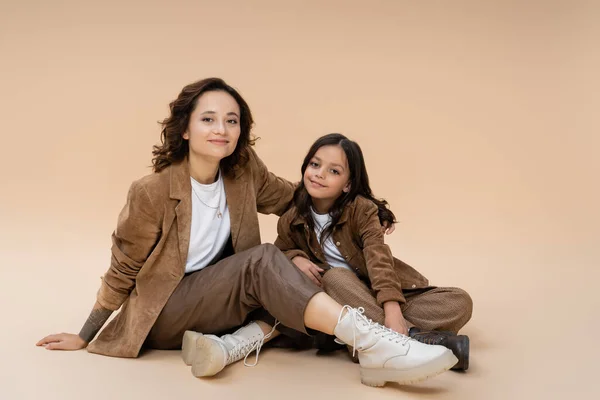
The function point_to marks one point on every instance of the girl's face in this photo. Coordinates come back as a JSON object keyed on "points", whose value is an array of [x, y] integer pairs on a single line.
{"points": [[214, 126], [327, 176]]}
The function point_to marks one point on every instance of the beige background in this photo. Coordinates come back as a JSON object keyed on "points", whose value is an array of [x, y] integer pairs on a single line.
{"points": [[479, 121]]}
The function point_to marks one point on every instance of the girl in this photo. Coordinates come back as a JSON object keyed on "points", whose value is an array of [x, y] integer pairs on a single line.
{"points": [[186, 255], [332, 235]]}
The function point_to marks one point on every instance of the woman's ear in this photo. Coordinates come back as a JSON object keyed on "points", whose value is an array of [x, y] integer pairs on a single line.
{"points": [[186, 135]]}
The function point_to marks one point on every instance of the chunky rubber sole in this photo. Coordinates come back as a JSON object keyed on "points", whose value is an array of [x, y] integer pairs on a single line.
{"points": [[378, 377], [188, 346], [209, 358]]}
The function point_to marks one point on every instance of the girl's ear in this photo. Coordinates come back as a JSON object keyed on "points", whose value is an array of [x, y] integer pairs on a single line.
{"points": [[346, 188]]}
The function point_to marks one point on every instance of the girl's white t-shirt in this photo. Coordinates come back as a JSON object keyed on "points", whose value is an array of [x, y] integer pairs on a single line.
{"points": [[332, 253]]}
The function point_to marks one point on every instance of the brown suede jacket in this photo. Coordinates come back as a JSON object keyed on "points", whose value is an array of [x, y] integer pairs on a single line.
{"points": [[360, 239], [150, 244]]}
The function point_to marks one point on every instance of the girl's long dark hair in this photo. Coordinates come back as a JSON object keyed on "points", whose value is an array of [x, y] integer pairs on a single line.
{"points": [[359, 184]]}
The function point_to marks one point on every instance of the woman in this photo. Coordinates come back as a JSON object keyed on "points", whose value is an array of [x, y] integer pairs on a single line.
{"points": [[187, 255]]}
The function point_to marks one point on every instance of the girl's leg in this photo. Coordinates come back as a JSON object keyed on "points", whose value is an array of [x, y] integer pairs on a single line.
{"points": [[440, 308], [440, 313], [430, 309], [263, 276], [346, 288]]}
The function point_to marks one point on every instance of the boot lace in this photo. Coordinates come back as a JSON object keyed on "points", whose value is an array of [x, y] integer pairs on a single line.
{"points": [[246, 348], [365, 324]]}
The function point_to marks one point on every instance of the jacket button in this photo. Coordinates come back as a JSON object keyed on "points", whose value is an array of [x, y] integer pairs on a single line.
{"points": [[414, 286], [337, 244]]}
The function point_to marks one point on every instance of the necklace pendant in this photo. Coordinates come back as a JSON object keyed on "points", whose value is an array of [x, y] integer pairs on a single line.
{"points": [[219, 215]]}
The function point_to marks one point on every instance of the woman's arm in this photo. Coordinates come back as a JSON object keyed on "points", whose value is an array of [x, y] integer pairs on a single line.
{"points": [[273, 194], [137, 232], [69, 341], [94, 323]]}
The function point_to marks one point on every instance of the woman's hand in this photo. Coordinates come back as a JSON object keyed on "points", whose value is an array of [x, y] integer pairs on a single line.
{"points": [[62, 341], [309, 269]]}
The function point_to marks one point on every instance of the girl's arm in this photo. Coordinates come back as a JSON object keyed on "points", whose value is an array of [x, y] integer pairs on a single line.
{"points": [[380, 265], [378, 256], [284, 240], [294, 253]]}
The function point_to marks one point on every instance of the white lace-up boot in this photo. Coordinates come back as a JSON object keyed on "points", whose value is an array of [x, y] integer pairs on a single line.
{"points": [[209, 354], [388, 356]]}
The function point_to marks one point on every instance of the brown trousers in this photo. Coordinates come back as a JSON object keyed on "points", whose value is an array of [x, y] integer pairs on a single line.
{"points": [[431, 308], [227, 294]]}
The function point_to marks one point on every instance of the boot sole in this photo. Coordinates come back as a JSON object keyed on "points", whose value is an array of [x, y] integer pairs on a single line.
{"points": [[209, 358], [377, 377], [188, 346]]}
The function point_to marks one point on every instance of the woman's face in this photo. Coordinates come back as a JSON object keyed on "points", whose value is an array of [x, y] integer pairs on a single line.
{"points": [[214, 127]]}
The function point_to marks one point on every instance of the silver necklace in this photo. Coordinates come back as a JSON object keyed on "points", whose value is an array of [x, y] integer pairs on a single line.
{"points": [[219, 215]]}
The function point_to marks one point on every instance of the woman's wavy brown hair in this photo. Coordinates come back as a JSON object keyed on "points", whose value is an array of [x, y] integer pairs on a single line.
{"points": [[174, 147]]}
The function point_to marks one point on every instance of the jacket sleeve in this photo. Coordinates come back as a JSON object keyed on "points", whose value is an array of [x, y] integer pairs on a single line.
{"points": [[378, 256], [138, 230], [273, 194], [284, 240]]}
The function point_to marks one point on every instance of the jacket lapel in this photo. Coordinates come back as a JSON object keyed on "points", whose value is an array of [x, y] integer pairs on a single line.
{"points": [[181, 189], [235, 192]]}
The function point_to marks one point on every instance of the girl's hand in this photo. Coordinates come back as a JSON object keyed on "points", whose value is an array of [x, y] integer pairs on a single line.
{"points": [[62, 341], [397, 324], [388, 228], [309, 269], [394, 318]]}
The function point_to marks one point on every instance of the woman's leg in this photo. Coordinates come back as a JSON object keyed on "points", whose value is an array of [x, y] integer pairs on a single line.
{"points": [[265, 277], [220, 297]]}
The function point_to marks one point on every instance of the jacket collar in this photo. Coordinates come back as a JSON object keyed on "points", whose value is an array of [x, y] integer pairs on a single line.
{"points": [[181, 187]]}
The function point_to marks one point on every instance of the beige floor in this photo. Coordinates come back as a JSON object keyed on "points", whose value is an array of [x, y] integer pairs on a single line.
{"points": [[478, 120]]}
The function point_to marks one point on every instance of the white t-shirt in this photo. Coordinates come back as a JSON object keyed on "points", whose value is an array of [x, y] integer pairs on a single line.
{"points": [[332, 254], [211, 225]]}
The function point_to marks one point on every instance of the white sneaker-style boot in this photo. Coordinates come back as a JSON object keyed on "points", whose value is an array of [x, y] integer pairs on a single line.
{"points": [[388, 356], [209, 354]]}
